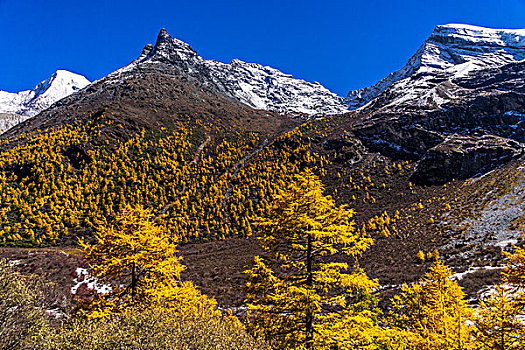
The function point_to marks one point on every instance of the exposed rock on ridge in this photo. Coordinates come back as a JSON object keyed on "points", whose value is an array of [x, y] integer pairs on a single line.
{"points": [[464, 85], [461, 157], [452, 51], [258, 86]]}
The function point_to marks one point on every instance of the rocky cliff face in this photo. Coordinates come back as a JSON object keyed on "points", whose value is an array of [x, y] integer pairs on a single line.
{"points": [[461, 157]]}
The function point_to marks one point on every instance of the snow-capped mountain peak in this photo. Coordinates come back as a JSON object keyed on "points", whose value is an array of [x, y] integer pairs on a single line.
{"points": [[452, 51], [476, 47], [171, 48], [62, 83], [482, 35], [31, 102]]}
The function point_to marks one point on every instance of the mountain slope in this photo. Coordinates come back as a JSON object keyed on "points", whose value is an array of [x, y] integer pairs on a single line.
{"points": [[171, 132], [31, 102], [457, 107]]}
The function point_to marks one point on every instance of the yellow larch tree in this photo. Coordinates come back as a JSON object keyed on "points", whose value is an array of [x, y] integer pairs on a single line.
{"points": [[514, 274], [499, 318], [433, 313], [499, 322], [137, 258], [299, 295]]}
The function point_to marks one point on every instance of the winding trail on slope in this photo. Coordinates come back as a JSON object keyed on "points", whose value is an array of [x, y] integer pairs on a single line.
{"points": [[239, 165], [199, 151], [192, 163]]}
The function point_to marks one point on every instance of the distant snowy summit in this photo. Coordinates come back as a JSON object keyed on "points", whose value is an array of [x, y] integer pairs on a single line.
{"points": [[16, 107], [453, 51], [257, 86], [31, 102]]}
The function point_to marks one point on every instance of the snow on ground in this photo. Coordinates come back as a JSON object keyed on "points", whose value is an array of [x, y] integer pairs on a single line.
{"points": [[56, 313], [460, 275], [14, 262], [83, 277], [492, 228]]}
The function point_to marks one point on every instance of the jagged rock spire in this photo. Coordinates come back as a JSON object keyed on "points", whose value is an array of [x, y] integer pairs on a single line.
{"points": [[164, 41], [168, 48], [257, 86], [146, 51]]}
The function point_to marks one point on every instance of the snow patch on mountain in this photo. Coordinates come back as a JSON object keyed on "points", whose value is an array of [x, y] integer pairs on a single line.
{"points": [[452, 51]]}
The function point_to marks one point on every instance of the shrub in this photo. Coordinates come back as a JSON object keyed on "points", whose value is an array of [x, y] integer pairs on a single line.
{"points": [[21, 313], [151, 329]]}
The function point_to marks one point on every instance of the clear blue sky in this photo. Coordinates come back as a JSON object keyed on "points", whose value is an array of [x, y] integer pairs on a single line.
{"points": [[342, 44]]}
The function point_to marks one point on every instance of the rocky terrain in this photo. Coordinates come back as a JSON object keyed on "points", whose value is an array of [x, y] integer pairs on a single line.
{"points": [[257, 86], [452, 52], [464, 86]]}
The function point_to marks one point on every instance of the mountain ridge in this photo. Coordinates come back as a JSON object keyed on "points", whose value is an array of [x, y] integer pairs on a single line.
{"points": [[258, 86], [451, 51], [31, 102]]}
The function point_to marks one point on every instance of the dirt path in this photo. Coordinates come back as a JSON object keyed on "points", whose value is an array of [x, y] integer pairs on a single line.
{"points": [[192, 163], [239, 165], [199, 151]]}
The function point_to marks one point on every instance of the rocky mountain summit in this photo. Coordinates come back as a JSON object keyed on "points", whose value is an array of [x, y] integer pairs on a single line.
{"points": [[257, 86], [464, 83], [452, 52], [16, 107]]}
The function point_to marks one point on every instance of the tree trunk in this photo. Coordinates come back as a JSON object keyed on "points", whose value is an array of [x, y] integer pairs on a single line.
{"points": [[309, 283], [133, 282], [502, 330]]}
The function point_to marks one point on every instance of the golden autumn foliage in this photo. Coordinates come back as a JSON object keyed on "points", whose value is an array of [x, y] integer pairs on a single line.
{"points": [[151, 329], [499, 317], [137, 258], [433, 313], [144, 193], [21, 314], [421, 256], [201, 180], [499, 321], [514, 274], [297, 297]]}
